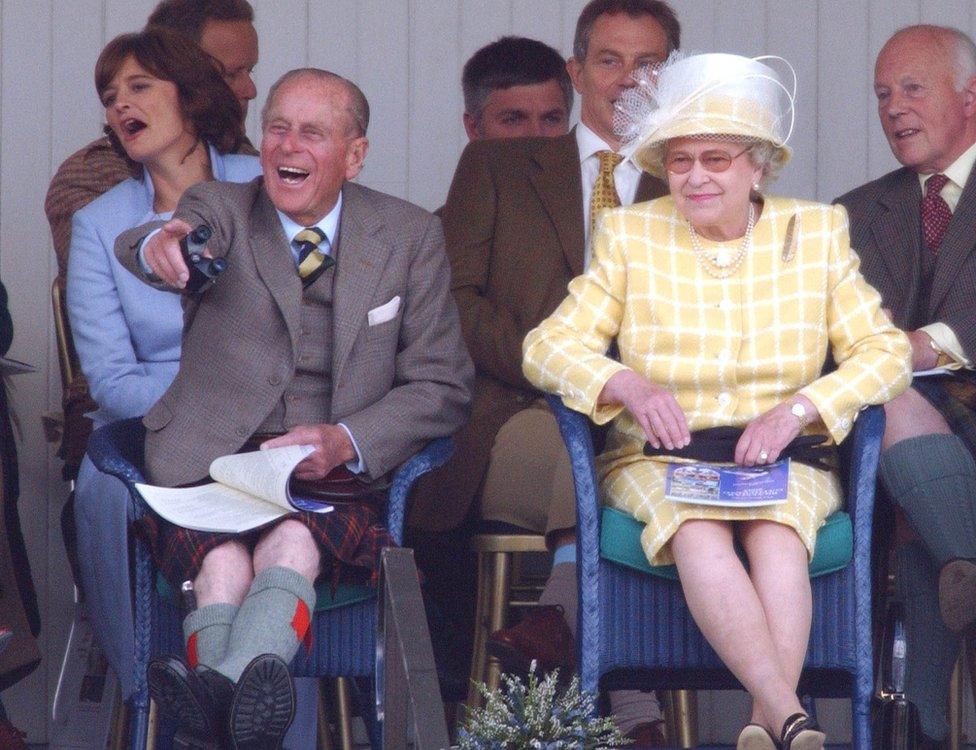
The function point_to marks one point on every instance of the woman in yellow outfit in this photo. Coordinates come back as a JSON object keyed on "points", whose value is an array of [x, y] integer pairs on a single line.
{"points": [[724, 303]]}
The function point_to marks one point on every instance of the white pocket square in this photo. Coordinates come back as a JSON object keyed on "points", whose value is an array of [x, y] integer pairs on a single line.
{"points": [[384, 313]]}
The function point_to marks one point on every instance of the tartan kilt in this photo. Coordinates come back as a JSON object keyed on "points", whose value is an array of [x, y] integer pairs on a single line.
{"points": [[350, 538], [954, 396]]}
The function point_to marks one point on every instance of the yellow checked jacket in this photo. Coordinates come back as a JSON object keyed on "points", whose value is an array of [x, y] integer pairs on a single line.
{"points": [[729, 349]]}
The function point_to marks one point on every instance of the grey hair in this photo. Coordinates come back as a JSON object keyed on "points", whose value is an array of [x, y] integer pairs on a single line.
{"points": [[768, 158], [358, 109]]}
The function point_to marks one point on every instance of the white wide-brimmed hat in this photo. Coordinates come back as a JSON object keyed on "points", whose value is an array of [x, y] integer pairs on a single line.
{"points": [[712, 95]]}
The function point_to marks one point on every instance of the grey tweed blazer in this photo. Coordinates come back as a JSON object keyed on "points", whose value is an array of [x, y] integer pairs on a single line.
{"points": [[395, 384], [886, 231]]}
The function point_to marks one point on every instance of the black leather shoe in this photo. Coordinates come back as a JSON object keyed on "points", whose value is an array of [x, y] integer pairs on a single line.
{"points": [[800, 732], [182, 697], [263, 706]]}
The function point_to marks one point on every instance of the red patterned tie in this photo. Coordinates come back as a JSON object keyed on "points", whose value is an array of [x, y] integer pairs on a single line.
{"points": [[935, 213]]}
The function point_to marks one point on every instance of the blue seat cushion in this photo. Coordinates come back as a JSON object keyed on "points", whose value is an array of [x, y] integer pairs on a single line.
{"points": [[345, 593], [620, 543]]}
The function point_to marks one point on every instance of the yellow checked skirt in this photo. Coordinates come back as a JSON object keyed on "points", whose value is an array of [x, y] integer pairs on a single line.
{"points": [[635, 485]]}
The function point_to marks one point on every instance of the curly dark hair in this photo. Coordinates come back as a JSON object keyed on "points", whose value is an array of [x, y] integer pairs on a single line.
{"points": [[205, 99]]}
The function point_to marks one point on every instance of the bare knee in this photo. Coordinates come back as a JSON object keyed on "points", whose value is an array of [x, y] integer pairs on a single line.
{"points": [[911, 415], [225, 575], [774, 548], [702, 541], [289, 544]]}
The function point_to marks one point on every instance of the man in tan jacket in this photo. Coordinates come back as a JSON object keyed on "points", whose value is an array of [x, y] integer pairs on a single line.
{"points": [[333, 327]]}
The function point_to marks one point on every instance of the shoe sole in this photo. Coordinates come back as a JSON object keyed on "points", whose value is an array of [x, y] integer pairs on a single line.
{"points": [[808, 739], [175, 700], [755, 737], [957, 594], [263, 706]]}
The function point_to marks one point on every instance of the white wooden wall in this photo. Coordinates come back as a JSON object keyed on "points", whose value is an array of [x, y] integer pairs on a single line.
{"points": [[407, 56]]}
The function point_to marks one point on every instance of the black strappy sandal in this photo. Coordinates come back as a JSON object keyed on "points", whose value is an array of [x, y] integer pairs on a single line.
{"points": [[800, 732]]}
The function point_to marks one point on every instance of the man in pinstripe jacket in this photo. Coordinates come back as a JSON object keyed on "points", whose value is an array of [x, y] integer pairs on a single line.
{"points": [[914, 231]]}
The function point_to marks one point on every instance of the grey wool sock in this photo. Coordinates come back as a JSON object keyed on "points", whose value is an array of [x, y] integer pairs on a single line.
{"points": [[931, 647], [932, 478], [205, 633], [273, 619]]}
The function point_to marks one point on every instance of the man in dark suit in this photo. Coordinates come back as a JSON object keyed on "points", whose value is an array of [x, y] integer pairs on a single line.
{"points": [[913, 229], [333, 326], [517, 223]]}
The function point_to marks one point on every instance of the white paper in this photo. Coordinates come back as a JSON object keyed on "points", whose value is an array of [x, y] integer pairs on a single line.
{"points": [[264, 473], [211, 507], [251, 491], [934, 371]]}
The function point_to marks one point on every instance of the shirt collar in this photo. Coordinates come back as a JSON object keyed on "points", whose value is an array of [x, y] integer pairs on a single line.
{"points": [[958, 171], [589, 143], [328, 224]]}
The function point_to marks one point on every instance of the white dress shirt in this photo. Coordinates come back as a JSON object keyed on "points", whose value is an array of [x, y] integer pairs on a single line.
{"points": [[626, 175]]}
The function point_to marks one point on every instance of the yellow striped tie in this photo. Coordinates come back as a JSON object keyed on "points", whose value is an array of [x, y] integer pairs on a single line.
{"points": [[312, 262], [604, 189]]}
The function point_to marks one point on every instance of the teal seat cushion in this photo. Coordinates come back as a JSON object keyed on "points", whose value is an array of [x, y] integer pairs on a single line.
{"points": [[324, 599], [620, 543]]}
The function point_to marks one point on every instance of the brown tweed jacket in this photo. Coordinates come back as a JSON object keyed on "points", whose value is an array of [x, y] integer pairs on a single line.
{"points": [[513, 224], [395, 385], [886, 231]]}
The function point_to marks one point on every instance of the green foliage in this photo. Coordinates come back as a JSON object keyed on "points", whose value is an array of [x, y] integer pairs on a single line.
{"points": [[537, 716]]}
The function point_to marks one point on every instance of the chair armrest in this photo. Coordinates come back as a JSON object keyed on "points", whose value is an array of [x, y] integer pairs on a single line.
{"points": [[434, 454], [119, 449], [862, 468], [575, 429]]}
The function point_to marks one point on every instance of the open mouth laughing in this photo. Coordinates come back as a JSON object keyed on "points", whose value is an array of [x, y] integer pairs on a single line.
{"points": [[131, 125], [292, 175]]}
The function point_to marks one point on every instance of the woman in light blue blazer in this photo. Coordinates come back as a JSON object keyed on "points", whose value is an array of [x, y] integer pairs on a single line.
{"points": [[175, 120]]}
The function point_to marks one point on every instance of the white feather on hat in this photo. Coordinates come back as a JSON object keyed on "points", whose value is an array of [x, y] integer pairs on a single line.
{"points": [[713, 94]]}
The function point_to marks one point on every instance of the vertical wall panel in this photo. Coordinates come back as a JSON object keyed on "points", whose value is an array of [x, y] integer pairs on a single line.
{"points": [[843, 89], [72, 86], [26, 266], [383, 72], [884, 18], [799, 178], [740, 27], [539, 19], [120, 16], [435, 100], [698, 25]]}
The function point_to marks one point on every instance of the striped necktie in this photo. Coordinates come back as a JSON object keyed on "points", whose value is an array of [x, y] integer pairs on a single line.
{"points": [[312, 261]]}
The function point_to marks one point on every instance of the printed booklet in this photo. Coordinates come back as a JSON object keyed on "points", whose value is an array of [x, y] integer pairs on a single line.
{"points": [[729, 486], [249, 491]]}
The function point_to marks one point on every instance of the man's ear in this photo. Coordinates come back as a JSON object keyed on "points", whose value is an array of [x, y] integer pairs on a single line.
{"points": [[470, 126], [356, 156], [573, 67], [969, 97]]}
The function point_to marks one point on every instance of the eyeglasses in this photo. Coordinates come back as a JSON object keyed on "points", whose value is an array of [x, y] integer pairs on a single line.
{"points": [[713, 160]]}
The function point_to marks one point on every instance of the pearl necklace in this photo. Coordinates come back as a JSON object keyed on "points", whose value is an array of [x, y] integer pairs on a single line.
{"points": [[724, 264]]}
